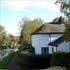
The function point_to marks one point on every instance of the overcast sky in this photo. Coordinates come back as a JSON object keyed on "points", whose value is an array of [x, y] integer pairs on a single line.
{"points": [[12, 11]]}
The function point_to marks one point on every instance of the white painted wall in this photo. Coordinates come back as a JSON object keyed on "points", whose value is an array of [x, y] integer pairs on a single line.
{"points": [[64, 46], [39, 41], [42, 40]]}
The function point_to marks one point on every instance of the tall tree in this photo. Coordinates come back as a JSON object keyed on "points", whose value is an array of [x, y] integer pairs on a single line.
{"points": [[64, 7], [27, 27]]}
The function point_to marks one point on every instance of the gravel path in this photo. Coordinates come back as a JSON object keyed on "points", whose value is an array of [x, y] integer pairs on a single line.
{"points": [[13, 65]]}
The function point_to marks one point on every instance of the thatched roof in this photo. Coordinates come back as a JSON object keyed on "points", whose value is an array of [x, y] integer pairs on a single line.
{"points": [[50, 28]]}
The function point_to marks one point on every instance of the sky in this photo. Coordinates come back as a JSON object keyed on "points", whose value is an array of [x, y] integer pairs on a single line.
{"points": [[12, 11]]}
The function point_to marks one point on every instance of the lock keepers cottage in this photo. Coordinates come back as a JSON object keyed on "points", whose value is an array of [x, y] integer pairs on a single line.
{"points": [[49, 38]]}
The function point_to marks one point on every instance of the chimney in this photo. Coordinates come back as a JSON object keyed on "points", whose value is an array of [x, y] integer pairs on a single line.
{"points": [[60, 20]]}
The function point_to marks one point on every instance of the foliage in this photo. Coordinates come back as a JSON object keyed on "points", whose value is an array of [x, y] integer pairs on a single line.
{"points": [[7, 39], [64, 20], [33, 61], [4, 62], [60, 59], [27, 27], [2, 36], [67, 31], [44, 61], [64, 7], [12, 41], [67, 25]]}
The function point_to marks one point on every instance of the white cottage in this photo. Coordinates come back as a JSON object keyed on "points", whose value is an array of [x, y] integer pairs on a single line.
{"points": [[49, 38]]}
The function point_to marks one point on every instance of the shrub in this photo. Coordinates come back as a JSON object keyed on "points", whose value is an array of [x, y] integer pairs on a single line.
{"points": [[60, 59], [25, 52], [34, 61], [40, 61]]}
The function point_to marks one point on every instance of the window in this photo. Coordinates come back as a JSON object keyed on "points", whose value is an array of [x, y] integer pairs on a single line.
{"points": [[45, 50]]}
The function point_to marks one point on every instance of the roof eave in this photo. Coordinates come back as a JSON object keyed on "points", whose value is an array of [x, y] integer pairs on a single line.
{"points": [[48, 33]]}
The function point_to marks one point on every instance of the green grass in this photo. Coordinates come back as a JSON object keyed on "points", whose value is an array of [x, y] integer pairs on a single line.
{"points": [[4, 62]]}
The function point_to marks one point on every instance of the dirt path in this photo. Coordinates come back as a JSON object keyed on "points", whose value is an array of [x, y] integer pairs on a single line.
{"points": [[13, 65]]}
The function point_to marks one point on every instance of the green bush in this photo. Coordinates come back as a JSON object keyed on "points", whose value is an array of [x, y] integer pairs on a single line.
{"points": [[39, 61], [34, 61], [22, 60], [60, 59]]}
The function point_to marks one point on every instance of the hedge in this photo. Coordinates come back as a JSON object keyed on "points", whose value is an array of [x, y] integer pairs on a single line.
{"points": [[34, 61], [60, 59]]}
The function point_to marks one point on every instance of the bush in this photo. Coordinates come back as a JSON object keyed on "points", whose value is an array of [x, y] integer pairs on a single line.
{"points": [[60, 59], [34, 61], [39, 61], [24, 52]]}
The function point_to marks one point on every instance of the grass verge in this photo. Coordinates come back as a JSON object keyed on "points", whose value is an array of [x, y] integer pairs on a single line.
{"points": [[4, 62]]}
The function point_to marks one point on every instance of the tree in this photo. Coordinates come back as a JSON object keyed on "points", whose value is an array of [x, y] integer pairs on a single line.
{"points": [[27, 27], [67, 33], [2, 36], [56, 19], [7, 39], [64, 7], [12, 41]]}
